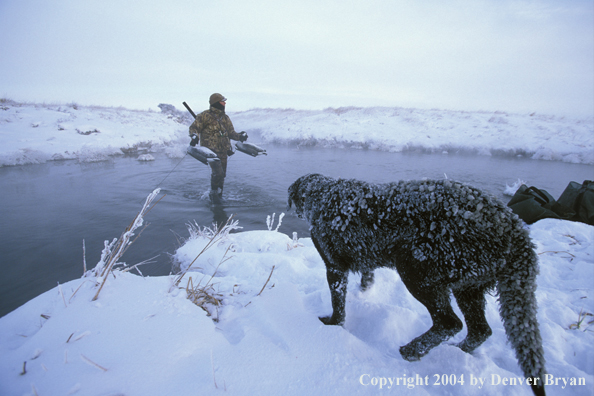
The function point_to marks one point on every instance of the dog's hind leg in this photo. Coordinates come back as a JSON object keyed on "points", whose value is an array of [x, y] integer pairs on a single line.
{"points": [[471, 301], [445, 322]]}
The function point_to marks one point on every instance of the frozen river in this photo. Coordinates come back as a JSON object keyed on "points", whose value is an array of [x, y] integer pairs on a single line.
{"points": [[49, 209]]}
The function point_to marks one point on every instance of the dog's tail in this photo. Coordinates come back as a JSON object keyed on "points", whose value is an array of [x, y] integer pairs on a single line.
{"points": [[517, 306]]}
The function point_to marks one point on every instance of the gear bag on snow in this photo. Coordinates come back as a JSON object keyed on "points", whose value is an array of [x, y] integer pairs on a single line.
{"points": [[532, 204], [580, 198]]}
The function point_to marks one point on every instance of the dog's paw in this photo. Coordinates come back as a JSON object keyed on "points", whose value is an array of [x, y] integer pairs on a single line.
{"points": [[469, 346], [410, 353], [330, 320]]}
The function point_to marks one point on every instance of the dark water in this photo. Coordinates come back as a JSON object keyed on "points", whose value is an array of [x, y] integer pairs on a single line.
{"points": [[48, 209]]}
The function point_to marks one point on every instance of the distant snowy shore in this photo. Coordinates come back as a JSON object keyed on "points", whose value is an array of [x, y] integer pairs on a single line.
{"points": [[36, 133], [435, 131]]}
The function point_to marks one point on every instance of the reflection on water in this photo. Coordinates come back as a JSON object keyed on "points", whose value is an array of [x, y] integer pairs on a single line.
{"points": [[49, 209]]}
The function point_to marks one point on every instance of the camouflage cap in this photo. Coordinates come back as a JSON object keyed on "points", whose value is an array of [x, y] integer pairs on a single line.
{"points": [[216, 97]]}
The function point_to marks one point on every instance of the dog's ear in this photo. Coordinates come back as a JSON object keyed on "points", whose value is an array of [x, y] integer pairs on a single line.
{"points": [[294, 192], [291, 193], [290, 199]]}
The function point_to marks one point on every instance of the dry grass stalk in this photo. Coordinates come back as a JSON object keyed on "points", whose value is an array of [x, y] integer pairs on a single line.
{"points": [[148, 261], [581, 319], [62, 294], [267, 280], [112, 252], [558, 252], [205, 296], [86, 333], [92, 363], [263, 287], [84, 258], [76, 291]]}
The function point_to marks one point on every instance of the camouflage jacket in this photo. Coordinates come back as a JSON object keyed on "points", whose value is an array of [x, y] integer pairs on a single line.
{"points": [[214, 129]]}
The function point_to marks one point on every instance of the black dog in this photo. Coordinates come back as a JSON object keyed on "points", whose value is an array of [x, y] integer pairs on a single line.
{"points": [[441, 237]]}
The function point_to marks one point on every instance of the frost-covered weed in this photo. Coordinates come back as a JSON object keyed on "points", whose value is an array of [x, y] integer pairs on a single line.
{"points": [[114, 250], [270, 221], [294, 243], [214, 236], [204, 288], [209, 233]]}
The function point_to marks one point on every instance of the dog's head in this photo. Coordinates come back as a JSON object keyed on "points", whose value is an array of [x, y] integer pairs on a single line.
{"points": [[297, 192]]}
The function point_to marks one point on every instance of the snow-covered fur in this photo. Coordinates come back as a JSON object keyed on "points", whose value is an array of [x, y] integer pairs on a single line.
{"points": [[442, 237]]}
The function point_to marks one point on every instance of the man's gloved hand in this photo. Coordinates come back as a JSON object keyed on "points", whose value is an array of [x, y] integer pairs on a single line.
{"points": [[194, 140], [243, 136]]}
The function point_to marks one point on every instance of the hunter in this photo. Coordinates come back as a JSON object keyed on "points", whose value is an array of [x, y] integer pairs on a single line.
{"points": [[213, 129]]}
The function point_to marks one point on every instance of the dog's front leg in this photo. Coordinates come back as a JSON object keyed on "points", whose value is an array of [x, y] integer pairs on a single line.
{"points": [[337, 280]]}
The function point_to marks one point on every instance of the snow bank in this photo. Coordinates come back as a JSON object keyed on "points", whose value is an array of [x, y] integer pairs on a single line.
{"points": [[31, 133], [400, 129], [265, 338]]}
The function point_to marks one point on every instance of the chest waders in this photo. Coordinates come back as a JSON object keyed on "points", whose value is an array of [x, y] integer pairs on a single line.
{"points": [[218, 168]]}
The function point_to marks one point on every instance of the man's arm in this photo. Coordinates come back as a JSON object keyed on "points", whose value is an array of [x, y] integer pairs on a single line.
{"points": [[194, 128], [241, 136], [194, 132]]}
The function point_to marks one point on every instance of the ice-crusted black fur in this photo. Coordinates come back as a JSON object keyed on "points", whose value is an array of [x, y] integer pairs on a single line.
{"points": [[442, 237]]}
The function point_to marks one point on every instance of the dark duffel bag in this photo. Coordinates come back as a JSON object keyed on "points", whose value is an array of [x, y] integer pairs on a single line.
{"points": [[532, 204], [580, 198]]}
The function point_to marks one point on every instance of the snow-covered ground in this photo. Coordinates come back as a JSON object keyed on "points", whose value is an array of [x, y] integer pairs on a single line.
{"points": [[32, 133], [265, 290], [140, 338]]}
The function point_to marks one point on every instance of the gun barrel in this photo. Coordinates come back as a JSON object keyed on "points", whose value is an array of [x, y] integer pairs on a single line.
{"points": [[190, 110]]}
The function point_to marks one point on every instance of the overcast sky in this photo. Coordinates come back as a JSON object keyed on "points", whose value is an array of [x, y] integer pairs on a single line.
{"points": [[491, 55]]}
